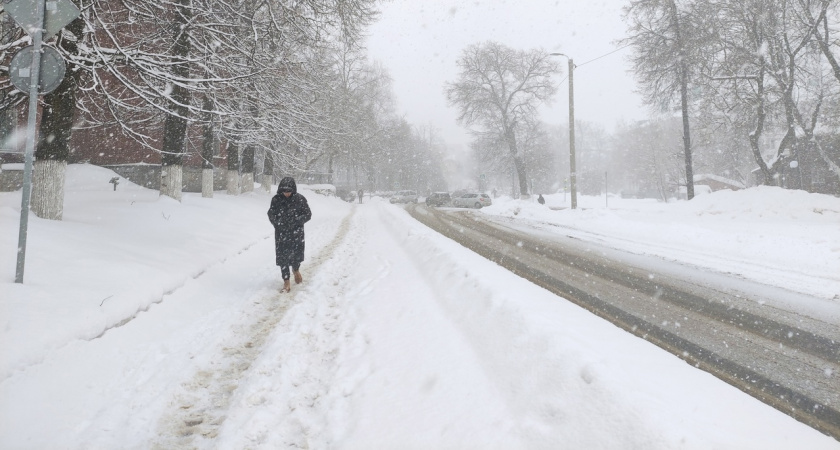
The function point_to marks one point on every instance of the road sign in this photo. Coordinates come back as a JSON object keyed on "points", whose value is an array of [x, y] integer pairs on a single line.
{"points": [[41, 19], [50, 76], [57, 14]]}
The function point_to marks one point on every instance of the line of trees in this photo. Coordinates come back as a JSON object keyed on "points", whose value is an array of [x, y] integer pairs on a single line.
{"points": [[763, 72], [284, 81], [745, 89]]}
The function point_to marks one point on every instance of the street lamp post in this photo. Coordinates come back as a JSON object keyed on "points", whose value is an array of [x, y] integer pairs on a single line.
{"points": [[572, 170]]}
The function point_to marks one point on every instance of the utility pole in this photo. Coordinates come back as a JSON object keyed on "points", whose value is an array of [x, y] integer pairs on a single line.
{"points": [[572, 169], [606, 191]]}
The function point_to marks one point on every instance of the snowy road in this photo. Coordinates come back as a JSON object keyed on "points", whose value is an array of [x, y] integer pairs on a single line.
{"points": [[730, 327]]}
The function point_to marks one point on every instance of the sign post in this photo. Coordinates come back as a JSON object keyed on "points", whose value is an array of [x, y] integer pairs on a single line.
{"points": [[37, 17], [35, 76]]}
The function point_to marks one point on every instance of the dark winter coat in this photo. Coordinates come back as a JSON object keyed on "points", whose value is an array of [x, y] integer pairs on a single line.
{"points": [[288, 214]]}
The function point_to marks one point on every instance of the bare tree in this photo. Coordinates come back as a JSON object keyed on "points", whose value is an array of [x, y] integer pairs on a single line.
{"points": [[763, 74], [499, 89], [647, 161], [816, 16], [662, 35], [55, 126], [595, 151], [147, 68]]}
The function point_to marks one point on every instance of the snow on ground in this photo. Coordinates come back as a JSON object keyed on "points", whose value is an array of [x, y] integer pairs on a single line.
{"points": [[148, 323], [774, 236]]}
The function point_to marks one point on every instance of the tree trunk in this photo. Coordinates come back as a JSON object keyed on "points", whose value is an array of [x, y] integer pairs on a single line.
{"points": [[175, 126], [683, 67], [247, 182], [207, 183], [233, 182], [518, 163], [54, 133], [48, 188], [53, 151], [689, 171], [233, 169], [171, 181], [248, 169], [268, 172], [330, 179], [755, 135], [207, 146], [520, 174]]}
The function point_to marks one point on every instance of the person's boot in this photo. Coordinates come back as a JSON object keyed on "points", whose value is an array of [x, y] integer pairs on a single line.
{"points": [[287, 286], [298, 277]]}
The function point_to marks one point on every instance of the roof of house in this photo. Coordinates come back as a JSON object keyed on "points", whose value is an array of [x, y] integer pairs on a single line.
{"points": [[719, 179]]}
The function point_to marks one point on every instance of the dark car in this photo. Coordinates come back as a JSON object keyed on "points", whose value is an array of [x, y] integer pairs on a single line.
{"points": [[438, 199]]}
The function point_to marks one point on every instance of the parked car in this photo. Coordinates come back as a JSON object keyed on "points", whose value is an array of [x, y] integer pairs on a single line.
{"points": [[404, 197], [472, 200], [438, 199], [345, 194]]}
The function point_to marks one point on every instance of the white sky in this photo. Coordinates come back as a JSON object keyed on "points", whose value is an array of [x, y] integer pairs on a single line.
{"points": [[420, 41], [141, 317]]}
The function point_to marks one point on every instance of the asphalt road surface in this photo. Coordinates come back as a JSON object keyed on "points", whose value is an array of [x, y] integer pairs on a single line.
{"points": [[723, 325]]}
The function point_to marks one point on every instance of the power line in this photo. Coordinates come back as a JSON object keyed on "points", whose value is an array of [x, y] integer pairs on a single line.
{"points": [[602, 56]]}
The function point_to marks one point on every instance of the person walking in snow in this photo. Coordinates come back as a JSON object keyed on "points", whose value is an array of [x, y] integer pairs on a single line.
{"points": [[541, 200], [288, 212]]}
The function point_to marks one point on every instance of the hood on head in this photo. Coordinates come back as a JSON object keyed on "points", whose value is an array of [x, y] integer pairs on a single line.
{"points": [[287, 183]]}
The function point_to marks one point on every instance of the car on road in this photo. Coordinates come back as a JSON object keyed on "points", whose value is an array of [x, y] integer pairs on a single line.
{"points": [[345, 194], [404, 197], [438, 199], [472, 200]]}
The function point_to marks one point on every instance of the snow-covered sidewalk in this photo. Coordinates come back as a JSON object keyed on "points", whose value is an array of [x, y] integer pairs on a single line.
{"points": [[398, 338]]}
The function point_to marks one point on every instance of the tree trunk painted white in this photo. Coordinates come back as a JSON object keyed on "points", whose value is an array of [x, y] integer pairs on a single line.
{"points": [[207, 183], [171, 178], [233, 182], [247, 182], [266, 182], [47, 201]]}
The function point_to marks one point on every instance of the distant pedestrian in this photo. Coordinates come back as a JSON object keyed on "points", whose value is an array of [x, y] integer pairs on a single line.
{"points": [[288, 212], [361, 195], [541, 200], [494, 192]]}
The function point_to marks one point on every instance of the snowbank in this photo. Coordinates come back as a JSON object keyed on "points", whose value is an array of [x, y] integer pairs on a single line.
{"points": [[774, 236]]}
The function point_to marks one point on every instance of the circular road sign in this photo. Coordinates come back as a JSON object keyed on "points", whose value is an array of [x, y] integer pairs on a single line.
{"points": [[52, 70]]}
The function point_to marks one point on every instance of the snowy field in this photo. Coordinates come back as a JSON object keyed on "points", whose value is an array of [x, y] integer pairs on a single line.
{"points": [[148, 323]]}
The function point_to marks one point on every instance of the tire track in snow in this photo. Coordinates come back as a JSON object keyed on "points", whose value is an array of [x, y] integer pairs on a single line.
{"points": [[194, 276], [175, 289], [787, 277], [200, 409]]}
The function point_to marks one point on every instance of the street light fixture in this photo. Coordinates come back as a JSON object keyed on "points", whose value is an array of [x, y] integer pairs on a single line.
{"points": [[572, 170]]}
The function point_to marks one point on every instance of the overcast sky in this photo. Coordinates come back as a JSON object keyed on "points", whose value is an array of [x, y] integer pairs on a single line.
{"points": [[419, 43]]}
